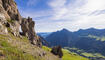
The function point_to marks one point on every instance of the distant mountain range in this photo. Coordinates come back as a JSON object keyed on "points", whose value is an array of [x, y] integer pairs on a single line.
{"points": [[91, 31], [82, 39], [44, 34]]}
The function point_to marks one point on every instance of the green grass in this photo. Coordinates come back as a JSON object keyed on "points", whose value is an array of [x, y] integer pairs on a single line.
{"points": [[93, 55], [68, 55], [83, 53], [12, 53], [9, 29], [102, 38], [11, 49], [23, 38], [11, 21], [88, 54], [72, 56], [20, 48], [46, 48]]}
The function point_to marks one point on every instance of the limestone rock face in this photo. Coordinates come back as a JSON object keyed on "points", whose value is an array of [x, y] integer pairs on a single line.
{"points": [[15, 28], [3, 29], [8, 9], [2, 10], [27, 27]]}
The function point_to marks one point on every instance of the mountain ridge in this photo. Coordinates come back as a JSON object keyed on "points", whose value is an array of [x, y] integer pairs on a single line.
{"points": [[83, 40]]}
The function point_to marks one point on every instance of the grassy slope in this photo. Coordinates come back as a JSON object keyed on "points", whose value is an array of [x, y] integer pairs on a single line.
{"points": [[102, 38], [72, 56], [93, 55], [83, 53], [68, 55], [15, 48]]}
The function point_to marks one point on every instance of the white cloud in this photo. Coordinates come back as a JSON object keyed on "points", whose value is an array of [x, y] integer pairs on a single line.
{"points": [[78, 14], [70, 14], [95, 5]]}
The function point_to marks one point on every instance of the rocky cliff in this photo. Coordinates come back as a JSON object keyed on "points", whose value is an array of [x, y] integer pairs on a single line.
{"points": [[10, 16], [11, 21]]}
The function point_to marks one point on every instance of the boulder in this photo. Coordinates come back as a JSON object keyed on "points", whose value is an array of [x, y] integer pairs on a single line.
{"points": [[57, 50]]}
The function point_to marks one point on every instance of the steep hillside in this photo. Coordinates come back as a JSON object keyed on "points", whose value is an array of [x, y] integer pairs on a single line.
{"points": [[16, 48]]}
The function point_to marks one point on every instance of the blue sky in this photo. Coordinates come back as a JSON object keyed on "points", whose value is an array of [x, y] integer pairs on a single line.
{"points": [[53, 15]]}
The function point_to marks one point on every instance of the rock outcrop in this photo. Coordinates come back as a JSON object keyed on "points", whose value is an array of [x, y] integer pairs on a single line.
{"points": [[27, 27], [57, 50], [8, 9]]}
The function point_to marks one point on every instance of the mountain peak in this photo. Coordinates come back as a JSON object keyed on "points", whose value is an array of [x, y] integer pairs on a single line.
{"points": [[64, 30]]}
